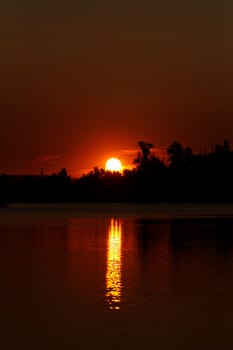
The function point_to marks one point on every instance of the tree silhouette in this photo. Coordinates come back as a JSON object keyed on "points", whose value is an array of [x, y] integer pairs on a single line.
{"points": [[175, 153], [145, 154], [178, 156], [62, 173], [188, 177]]}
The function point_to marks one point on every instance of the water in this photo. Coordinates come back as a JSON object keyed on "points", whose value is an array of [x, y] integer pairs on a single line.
{"points": [[116, 277]]}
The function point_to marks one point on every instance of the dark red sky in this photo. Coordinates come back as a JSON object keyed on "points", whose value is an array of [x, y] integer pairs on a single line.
{"points": [[85, 80]]}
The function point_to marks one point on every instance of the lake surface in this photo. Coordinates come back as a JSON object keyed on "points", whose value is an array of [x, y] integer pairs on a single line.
{"points": [[106, 276]]}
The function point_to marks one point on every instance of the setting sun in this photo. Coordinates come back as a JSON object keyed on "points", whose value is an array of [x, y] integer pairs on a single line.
{"points": [[113, 164]]}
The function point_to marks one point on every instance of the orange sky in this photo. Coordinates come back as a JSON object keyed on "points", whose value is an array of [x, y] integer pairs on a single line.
{"points": [[84, 82]]}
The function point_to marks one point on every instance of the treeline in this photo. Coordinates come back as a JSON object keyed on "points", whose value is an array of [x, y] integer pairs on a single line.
{"points": [[186, 177]]}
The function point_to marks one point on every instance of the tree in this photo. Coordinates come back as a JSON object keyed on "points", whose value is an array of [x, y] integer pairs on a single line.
{"points": [[148, 165], [175, 153], [144, 155], [219, 149], [62, 173]]}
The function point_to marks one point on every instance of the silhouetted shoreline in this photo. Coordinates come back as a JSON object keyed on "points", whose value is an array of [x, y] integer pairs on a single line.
{"points": [[186, 178]]}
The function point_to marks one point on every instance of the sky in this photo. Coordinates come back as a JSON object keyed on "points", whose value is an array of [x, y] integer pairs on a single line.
{"points": [[82, 81]]}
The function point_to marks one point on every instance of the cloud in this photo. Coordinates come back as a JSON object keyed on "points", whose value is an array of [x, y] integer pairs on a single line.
{"points": [[50, 158], [157, 150], [129, 152]]}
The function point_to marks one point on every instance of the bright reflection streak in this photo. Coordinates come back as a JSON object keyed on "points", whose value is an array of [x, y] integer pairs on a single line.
{"points": [[113, 274]]}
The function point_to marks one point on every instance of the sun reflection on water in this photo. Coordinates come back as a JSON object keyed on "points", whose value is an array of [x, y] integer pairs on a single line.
{"points": [[113, 273]]}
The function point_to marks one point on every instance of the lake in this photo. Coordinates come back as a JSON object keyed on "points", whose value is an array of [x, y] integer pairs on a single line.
{"points": [[116, 276]]}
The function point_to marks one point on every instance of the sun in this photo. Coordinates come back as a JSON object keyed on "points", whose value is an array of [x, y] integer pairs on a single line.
{"points": [[113, 164]]}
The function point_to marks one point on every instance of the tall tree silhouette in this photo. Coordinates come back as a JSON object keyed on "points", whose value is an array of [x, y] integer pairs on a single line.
{"points": [[175, 153], [145, 153], [178, 156], [146, 161], [149, 173]]}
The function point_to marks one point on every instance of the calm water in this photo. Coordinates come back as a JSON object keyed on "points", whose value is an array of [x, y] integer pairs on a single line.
{"points": [[116, 277]]}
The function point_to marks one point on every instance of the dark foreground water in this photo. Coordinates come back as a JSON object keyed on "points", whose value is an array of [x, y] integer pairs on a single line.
{"points": [[116, 277]]}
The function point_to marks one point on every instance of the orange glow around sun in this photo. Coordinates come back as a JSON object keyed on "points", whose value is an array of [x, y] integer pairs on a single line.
{"points": [[113, 164]]}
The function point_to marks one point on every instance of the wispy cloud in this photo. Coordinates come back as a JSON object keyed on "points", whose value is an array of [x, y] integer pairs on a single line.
{"points": [[157, 150], [49, 158], [129, 152]]}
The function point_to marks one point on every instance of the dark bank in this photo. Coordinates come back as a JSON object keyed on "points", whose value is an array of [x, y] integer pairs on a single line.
{"points": [[184, 177]]}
